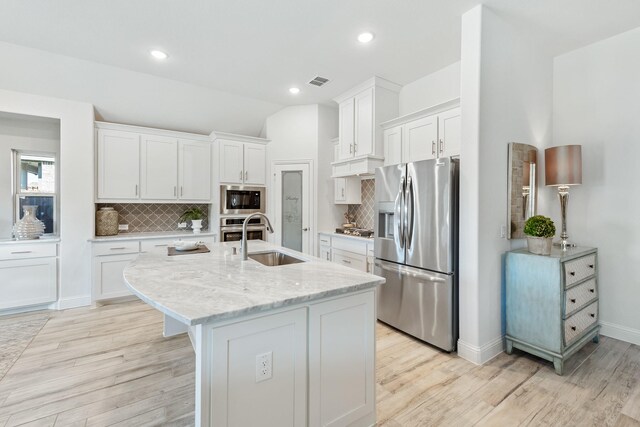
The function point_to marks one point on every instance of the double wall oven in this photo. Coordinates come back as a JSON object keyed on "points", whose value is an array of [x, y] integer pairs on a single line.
{"points": [[236, 203]]}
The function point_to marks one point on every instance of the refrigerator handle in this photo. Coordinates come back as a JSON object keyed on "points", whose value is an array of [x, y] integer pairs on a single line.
{"points": [[399, 208], [409, 217], [408, 271]]}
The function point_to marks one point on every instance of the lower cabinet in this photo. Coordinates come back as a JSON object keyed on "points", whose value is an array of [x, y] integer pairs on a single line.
{"points": [[25, 282], [347, 251], [310, 365]]}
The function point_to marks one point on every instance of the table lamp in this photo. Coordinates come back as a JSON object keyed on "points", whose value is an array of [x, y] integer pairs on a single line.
{"points": [[563, 168]]}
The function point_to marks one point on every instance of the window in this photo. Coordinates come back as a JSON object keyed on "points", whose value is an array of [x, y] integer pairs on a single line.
{"points": [[36, 184]]}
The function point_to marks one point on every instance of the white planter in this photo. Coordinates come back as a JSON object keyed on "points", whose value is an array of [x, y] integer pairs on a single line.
{"points": [[196, 225], [539, 245]]}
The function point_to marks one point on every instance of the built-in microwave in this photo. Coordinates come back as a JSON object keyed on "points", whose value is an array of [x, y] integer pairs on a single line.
{"points": [[240, 199]]}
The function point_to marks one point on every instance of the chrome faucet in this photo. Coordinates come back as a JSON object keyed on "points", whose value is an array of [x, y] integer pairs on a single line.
{"points": [[243, 243]]}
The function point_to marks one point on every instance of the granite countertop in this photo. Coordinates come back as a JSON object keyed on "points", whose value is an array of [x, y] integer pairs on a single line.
{"points": [[347, 236], [204, 288], [151, 235], [44, 239]]}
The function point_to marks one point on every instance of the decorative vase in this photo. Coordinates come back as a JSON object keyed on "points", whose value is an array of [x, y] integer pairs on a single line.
{"points": [[29, 227], [106, 222], [539, 245], [196, 225]]}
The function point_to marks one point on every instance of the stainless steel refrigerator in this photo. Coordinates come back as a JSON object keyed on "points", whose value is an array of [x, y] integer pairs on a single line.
{"points": [[416, 249]]}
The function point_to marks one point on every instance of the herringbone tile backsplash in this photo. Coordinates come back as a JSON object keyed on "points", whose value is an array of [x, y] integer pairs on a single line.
{"points": [[153, 217], [364, 211]]}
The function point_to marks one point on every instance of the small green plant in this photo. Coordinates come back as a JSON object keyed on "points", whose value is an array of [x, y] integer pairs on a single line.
{"points": [[539, 226], [191, 214]]}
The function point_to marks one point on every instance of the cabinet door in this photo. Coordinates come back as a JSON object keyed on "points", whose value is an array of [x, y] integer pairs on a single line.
{"points": [[420, 139], [341, 361], [349, 259], [346, 128], [27, 282], [325, 253], [231, 162], [108, 281], [393, 146], [364, 143], [118, 164], [194, 170], [449, 133], [255, 168], [159, 168], [339, 191]]}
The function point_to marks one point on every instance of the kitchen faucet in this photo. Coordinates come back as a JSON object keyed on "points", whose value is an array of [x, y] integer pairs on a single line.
{"points": [[243, 243]]}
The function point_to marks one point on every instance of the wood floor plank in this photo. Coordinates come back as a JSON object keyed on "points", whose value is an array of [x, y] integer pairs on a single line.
{"points": [[632, 406], [625, 421]]}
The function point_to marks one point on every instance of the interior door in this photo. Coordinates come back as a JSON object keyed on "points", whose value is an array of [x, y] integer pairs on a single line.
{"points": [[194, 170], [293, 206], [159, 168]]}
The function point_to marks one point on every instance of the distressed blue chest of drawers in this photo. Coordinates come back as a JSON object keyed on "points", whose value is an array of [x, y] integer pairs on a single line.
{"points": [[552, 302]]}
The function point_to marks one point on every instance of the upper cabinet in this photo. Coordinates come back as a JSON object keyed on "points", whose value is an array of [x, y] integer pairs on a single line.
{"points": [[426, 134], [140, 164], [361, 110], [243, 160]]}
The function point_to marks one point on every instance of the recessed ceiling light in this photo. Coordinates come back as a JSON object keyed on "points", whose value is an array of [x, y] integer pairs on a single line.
{"points": [[365, 37], [294, 90], [158, 54]]}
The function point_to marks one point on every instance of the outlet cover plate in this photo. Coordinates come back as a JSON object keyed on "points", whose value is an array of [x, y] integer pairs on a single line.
{"points": [[123, 227], [264, 366]]}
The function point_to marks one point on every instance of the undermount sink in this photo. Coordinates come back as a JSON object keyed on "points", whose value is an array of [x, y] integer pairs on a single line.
{"points": [[274, 258]]}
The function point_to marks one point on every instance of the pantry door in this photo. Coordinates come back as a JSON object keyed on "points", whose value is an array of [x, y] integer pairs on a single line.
{"points": [[293, 206]]}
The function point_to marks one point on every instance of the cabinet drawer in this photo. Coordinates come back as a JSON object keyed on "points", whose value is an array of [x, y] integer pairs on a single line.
{"points": [[349, 245], [151, 245], [348, 259], [578, 296], [23, 251], [325, 240], [27, 282], [575, 325], [116, 248], [579, 269]]}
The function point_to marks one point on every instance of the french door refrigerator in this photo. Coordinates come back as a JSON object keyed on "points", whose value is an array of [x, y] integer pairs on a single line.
{"points": [[416, 249]]}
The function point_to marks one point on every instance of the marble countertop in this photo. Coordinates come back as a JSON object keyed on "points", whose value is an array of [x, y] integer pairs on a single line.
{"points": [[347, 236], [204, 288], [151, 235]]}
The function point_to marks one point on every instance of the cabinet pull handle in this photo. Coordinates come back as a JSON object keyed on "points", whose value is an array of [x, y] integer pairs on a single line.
{"points": [[573, 273], [157, 246], [246, 175], [175, 191], [117, 249], [573, 300], [20, 252], [592, 290], [343, 192], [327, 256], [591, 266], [346, 261], [240, 175], [181, 191], [136, 189], [433, 148], [573, 328], [350, 148], [355, 147], [441, 146]]}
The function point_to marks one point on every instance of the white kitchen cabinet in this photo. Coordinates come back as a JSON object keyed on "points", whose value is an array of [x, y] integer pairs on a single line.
{"points": [[347, 191], [346, 130], [364, 142], [349, 251], [325, 247], [158, 168], [423, 135], [108, 281], [349, 259], [341, 368], [27, 281], [194, 170], [118, 161], [242, 163]]}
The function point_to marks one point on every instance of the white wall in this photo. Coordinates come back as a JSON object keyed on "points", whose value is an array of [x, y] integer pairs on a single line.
{"points": [[506, 95], [432, 89], [124, 96], [329, 214], [76, 187], [596, 104], [25, 133]]}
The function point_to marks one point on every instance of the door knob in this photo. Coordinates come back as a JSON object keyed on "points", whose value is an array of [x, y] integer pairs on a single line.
{"points": [[305, 229]]}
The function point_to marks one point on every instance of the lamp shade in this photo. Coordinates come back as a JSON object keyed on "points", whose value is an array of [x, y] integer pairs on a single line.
{"points": [[563, 165]]}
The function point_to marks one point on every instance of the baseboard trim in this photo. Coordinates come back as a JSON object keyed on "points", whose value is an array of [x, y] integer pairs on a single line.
{"points": [[480, 355], [619, 332], [65, 303]]}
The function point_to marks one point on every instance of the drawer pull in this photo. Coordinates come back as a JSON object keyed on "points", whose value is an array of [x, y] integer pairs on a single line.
{"points": [[592, 314], [591, 266], [117, 249], [573, 328], [592, 290], [573, 273], [573, 300], [21, 252], [157, 246], [346, 261]]}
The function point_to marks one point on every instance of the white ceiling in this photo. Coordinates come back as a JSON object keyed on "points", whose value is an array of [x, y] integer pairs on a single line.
{"points": [[260, 48]]}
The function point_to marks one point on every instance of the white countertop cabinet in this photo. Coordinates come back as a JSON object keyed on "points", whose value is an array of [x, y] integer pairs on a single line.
{"points": [[351, 251], [118, 165], [158, 168], [194, 170], [242, 162], [28, 274]]}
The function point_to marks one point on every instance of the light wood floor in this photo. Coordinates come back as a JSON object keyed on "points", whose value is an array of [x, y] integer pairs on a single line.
{"points": [[111, 366]]}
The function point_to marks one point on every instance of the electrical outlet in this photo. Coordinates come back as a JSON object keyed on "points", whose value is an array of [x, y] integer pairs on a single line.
{"points": [[264, 368], [123, 227], [182, 225], [503, 231]]}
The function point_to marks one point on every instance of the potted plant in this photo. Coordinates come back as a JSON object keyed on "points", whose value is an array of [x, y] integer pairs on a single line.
{"points": [[195, 215], [540, 231]]}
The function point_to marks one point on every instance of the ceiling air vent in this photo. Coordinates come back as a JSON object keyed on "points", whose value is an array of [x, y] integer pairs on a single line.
{"points": [[318, 81]]}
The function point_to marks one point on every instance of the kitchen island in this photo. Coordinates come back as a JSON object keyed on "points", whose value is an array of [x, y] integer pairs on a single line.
{"points": [[284, 345]]}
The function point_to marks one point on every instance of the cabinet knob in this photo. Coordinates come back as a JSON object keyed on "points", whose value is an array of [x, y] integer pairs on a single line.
{"points": [[573, 273], [573, 328], [592, 290], [592, 314], [573, 300], [591, 266]]}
